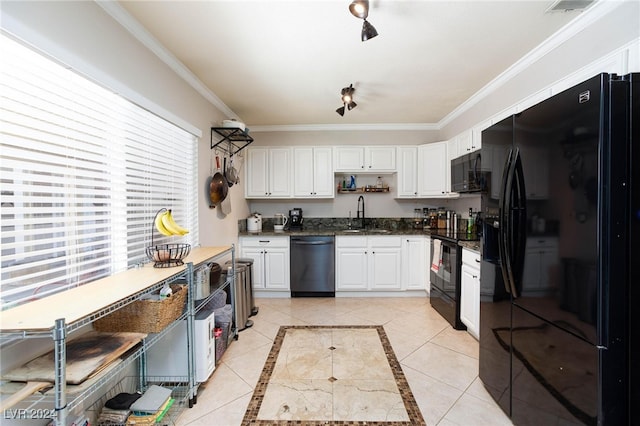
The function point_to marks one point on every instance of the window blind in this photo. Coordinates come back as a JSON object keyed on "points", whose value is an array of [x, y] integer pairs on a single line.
{"points": [[83, 172]]}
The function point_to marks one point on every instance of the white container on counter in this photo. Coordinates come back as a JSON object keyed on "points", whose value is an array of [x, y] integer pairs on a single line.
{"points": [[254, 223]]}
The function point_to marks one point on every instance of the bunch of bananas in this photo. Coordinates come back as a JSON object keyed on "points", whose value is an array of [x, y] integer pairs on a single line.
{"points": [[166, 225]]}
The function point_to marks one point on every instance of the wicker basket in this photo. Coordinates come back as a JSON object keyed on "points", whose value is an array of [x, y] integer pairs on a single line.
{"points": [[146, 316]]}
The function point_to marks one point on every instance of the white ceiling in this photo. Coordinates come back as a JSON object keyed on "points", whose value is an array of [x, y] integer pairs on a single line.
{"points": [[283, 63]]}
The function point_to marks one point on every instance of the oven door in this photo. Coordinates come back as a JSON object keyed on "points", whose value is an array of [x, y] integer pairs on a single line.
{"points": [[445, 285], [445, 277]]}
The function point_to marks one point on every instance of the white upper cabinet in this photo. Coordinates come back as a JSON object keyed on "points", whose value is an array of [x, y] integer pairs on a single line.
{"points": [[313, 172], [407, 178], [433, 167], [268, 173], [464, 143], [368, 159]]}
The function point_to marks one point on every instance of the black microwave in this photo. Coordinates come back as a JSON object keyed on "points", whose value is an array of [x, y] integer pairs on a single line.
{"points": [[467, 174]]}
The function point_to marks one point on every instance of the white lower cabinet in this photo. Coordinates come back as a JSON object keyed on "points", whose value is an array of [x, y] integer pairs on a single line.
{"points": [[415, 262], [270, 261], [368, 263], [470, 292]]}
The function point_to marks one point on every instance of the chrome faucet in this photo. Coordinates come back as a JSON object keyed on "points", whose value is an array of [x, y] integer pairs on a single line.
{"points": [[361, 198]]}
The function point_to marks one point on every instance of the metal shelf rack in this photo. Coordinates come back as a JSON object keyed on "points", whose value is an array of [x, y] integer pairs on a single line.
{"points": [[235, 138], [62, 328]]}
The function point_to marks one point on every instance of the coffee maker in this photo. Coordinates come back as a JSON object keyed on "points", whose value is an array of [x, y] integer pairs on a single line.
{"points": [[295, 219]]}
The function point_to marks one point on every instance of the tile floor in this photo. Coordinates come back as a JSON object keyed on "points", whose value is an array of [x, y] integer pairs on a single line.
{"points": [[439, 363]]}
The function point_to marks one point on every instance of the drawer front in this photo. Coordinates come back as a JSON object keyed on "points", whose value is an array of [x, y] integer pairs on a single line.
{"points": [[471, 258], [349, 241], [264, 242], [385, 241]]}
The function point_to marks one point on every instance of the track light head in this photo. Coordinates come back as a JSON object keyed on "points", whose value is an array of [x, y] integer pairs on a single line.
{"points": [[368, 31], [347, 99], [359, 8]]}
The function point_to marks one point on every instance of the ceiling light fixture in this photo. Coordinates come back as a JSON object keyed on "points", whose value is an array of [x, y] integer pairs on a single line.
{"points": [[360, 9], [347, 99]]}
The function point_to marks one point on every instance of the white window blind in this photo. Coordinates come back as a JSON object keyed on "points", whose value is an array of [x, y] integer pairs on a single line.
{"points": [[83, 173]]}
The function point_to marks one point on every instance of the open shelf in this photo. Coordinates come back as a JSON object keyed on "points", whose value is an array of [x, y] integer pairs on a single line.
{"points": [[362, 190], [233, 140]]}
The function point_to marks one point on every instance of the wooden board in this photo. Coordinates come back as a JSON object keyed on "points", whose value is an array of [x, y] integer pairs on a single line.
{"points": [[85, 356], [80, 302]]}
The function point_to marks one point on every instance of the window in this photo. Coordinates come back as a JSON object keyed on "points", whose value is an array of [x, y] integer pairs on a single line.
{"points": [[83, 172]]}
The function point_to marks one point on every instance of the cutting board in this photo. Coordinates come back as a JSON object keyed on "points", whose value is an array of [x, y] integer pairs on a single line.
{"points": [[85, 356]]}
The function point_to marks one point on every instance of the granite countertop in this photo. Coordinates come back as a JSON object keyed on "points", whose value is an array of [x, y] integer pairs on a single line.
{"points": [[344, 227], [471, 245], [470, 241]]}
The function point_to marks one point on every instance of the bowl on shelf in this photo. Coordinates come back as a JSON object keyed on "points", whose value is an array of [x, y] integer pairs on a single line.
{"points": [[168, 255]]}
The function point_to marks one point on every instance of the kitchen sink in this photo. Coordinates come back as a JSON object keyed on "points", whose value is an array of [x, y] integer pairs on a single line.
{"points": [[378, 231], [365, 231]]}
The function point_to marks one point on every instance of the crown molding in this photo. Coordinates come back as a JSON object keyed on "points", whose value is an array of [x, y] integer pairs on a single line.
{"points": [[345, 127], [120, 15], [579, 23]]}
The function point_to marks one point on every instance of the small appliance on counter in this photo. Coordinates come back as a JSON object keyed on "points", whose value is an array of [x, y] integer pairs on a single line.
{"points": [[295, 219], [279, 221], [254, 223]]}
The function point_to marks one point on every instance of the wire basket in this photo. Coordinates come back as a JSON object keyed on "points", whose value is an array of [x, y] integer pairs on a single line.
{"points": [[168, 255]]}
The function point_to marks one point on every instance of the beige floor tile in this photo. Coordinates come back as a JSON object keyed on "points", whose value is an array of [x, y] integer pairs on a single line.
{"points": [[424, 326], [434, 398], [469, 410], [458, 340], [297, 400], [445, 365], [222, 388], [248, 340], [249, 365], [368, 400], [359, 354], [404, 344], [228, 415], [478, 390]]}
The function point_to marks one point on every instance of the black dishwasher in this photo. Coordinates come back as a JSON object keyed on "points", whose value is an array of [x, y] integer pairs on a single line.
{"points": [[312, 272]]}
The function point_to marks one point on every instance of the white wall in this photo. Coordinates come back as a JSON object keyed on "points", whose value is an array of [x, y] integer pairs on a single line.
{"points": [[83, 36]]}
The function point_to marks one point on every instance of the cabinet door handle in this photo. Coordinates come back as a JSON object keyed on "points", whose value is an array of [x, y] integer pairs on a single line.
{"points": [[474, 276], [477, 260]]}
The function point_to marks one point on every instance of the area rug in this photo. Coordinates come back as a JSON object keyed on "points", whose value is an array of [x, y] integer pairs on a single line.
{"points": [[332, 375]]}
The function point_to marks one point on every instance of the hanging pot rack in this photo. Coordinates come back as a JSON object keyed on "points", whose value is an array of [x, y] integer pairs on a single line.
{"points": [[233, 140]]}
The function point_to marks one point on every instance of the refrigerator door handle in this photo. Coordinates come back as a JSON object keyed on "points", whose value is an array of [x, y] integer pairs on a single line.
{"points": [[504, 214], [518, 225]]}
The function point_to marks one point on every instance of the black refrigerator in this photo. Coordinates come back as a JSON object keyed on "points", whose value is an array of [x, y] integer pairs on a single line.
{"points": [[560, 302]]}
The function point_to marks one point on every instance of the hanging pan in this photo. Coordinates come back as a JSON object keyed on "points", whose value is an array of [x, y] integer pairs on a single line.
{"points": [[217, 186], [231, 173]]}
